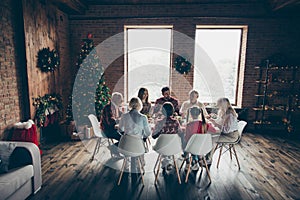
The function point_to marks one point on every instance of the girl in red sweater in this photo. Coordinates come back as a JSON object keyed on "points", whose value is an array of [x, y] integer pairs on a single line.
{"points": [[198, 127]]}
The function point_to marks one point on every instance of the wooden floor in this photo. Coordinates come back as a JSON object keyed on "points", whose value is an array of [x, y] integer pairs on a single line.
{"points": [[269, 170]]}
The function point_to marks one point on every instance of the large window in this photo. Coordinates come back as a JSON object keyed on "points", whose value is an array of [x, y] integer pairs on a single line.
{"points": [[147, 59], [217, 61]]}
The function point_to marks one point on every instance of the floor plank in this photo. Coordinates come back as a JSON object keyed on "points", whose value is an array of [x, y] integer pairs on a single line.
{"points": [[269, 170]]}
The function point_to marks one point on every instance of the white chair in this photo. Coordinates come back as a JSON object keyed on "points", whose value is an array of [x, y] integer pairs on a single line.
{"points": [[98, 133], [131, 146], [230, 145], [167, 145], [198, 144]]}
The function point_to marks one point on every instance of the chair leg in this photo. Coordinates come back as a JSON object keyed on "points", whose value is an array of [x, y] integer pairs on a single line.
{"points": [[96, 147], [110, 143], [140, 164], [176, 170], [200, 163], [146, 147], [219, 155], [230, 146], [122, 170], [99, 144], [185, 159], [189, 169], [236, 157], [207, 170], [216, 148], [156, 162], [156, 175], [143, 168]]}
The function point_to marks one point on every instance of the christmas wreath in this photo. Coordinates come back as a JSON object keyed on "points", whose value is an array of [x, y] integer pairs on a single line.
{"points": [[182, 65], [48, 60]]}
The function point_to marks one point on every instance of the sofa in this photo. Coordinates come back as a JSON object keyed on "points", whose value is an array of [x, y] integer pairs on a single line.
{"points": [[20, 170]]}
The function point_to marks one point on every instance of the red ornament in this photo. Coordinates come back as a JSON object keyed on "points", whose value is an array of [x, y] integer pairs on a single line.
{"points": [[89, 36]]}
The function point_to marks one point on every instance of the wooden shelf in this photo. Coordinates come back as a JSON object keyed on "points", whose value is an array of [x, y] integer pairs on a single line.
{"points": [[260, 81], [278, 67], [278, 93], [269, 123], [273, 108]]}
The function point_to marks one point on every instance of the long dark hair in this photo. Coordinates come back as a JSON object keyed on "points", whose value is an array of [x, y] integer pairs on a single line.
{"points": [[196, 111], [141, 93], [168, 109], [204, 125]]}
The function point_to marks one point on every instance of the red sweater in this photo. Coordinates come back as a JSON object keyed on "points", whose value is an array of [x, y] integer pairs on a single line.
{"points": [[196, 127]]}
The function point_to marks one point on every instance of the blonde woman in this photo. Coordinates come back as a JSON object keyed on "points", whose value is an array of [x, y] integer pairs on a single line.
{"points": [[226, 121], [136, 124], [133, 122]]}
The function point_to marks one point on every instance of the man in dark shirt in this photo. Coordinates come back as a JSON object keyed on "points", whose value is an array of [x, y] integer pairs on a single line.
{"points": [[166, 98]]}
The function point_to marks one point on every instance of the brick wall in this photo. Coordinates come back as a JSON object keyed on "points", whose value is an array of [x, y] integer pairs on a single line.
{"points": [[267, 34], [10, 111], [27, 27], [46, 26]]}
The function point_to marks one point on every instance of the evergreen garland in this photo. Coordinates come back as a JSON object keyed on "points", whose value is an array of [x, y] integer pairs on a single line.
{"points": [[41, 104]]}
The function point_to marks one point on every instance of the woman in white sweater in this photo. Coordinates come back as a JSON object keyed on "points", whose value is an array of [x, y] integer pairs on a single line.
{"points": [[226, 121]]}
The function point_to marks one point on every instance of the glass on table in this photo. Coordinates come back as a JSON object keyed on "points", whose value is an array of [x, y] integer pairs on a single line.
{"points": [[213, 115], [123, 108]]}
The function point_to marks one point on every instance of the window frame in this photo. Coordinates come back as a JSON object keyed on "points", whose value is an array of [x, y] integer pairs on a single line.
{"points": [[126, 27], [241, 57]]}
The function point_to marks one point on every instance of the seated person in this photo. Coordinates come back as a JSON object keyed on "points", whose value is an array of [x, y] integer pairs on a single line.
{"points": [[167, 125], [201, 127], [226, 121], [143, 95], [193, 101], [166, 98], [133, 122], [110, 116], [136, 124]]}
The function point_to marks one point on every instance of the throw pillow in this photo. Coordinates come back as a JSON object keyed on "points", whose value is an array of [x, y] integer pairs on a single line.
{"points": [[5, 151]]}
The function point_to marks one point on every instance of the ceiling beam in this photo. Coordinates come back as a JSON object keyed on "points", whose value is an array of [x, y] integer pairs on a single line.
{"points": [[71, 6], [279, 4]]}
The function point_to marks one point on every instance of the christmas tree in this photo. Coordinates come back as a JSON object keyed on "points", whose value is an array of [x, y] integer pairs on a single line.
{"points": [[86, 47], [102, 96], [90, 93], [69, 113]]}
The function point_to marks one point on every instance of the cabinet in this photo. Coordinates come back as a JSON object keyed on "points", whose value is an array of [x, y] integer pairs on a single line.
{"points": [[277, 99]]}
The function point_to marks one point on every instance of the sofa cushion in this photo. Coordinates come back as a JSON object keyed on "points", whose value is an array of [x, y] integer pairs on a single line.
{"points": [[19, 157], [5, 151], [14, 179]]}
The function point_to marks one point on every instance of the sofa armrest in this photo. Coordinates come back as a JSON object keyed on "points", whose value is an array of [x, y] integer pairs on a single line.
{"points": [[36, 162]]}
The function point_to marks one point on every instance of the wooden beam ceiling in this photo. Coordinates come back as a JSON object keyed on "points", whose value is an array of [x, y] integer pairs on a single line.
{"points": [[71, 6], [75, 7], [280, 4]]}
